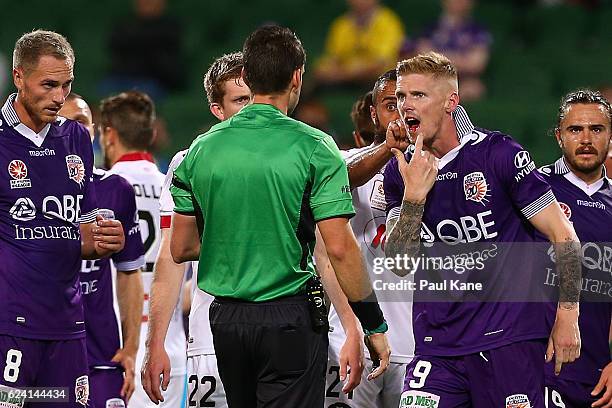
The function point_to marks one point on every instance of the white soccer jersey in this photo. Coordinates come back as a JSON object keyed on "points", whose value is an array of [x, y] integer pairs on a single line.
{"points": [[200, 337], [369, 228], [140, 170]]}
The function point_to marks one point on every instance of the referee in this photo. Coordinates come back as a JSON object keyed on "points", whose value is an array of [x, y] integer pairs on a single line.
{"points": [[253, 188]]}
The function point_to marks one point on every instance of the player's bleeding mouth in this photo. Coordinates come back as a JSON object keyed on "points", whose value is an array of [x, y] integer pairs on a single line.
{"points": [[413, 124]]}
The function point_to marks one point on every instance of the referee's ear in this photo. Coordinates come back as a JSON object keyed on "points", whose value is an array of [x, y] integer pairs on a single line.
{"points": [[217, 111]]}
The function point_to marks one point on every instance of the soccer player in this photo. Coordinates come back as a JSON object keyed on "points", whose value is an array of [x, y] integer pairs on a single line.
{"points": [[480, 354], [47, 223], [226, 94], [379, 109], [126, 132], [578, 180], [268, 189], [112, 335]]}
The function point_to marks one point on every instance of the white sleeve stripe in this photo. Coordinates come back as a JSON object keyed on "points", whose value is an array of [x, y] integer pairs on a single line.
{"points": [[130, 265], [88, 217], [394, 213], [538, 205]]}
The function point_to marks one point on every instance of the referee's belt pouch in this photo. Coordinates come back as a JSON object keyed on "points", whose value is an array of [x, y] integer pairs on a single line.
{"points": [[316, 303]]}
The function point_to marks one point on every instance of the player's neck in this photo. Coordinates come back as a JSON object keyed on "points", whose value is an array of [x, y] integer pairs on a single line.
{"points": [[608, 165], [25, 118], [121, 153], [446, 140], [590, 177], [281, 102]]}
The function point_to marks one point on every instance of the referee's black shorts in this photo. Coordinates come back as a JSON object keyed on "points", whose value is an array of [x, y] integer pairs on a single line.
{"points": [[268, 353]]}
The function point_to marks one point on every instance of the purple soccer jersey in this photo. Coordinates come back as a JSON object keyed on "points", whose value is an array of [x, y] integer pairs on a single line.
{"points": [[116, 200], [46, 191], [589, 209], [486, 190]]}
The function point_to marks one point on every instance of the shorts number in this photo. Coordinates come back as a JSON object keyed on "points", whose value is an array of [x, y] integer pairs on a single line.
{"points": [[11, 369], [421, 371], [330, 393], [203, 401], [555, 398]]}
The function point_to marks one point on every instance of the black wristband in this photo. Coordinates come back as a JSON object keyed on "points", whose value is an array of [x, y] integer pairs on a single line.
{"points": [[368, 312]]}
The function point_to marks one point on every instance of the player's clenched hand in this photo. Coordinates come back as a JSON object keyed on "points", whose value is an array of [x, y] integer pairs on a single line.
{"points": [[397, 137], [564, 342], [605, 382], [156, 365], [378, 346], [351, 361], [108, 235], [126, 360], [420, 174]]}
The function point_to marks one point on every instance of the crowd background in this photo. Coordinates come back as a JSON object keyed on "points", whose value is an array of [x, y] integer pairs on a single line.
{"points": [[519, 56]]}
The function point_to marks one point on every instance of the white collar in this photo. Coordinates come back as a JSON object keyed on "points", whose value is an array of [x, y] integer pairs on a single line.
{"points": [[9, 113], [589, 189]]}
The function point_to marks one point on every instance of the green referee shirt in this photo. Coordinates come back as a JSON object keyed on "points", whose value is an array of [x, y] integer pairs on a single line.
{"points": [[257, 184]]}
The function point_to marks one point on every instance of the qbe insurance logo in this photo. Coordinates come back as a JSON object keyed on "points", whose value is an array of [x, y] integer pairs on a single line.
{"points": [[19, 172]]}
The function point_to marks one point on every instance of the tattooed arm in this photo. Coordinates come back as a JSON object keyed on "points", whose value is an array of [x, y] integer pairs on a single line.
{"points": [[403, 236], [564, 342]]}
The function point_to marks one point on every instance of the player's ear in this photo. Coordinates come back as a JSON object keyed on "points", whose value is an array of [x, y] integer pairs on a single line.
{"points": [[217, 111], [374, 116], [451, 102], [296, 79], [18, 78], [558, 137]]}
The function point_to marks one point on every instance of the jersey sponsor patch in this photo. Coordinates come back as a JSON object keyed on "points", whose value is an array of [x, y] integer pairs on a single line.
{"points": [[419, 399], [76, 169], [11, 397], [566, 209], [517, 401], [377, 198], [23, 209], [19, 172], [81, 390], [522, 159], [475, 187]]}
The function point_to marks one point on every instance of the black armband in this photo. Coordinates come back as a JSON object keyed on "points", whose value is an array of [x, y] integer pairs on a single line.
{"points": [[368, 312]]}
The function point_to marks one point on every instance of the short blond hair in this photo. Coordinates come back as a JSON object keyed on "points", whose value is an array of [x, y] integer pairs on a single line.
{"points": [[31, 46], [432, 63]]}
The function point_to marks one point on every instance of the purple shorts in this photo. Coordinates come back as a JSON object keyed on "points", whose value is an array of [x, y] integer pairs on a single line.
{"points": [[46, 363], [562, 393], [511, 376], [105, 386]]}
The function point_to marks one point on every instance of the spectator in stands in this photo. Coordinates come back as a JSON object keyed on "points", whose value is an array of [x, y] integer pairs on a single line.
{"points": [[462, 40], [361, 44], [146, 52]]}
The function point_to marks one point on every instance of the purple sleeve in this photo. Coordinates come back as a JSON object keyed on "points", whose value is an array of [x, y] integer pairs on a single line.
{"points": [[394, 188], [89, 204], [517, 173], [132, 255]]}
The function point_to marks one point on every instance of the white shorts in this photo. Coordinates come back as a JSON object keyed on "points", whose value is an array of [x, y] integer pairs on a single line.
{"points": [[383, 392], [204, 387], [174, 396]]}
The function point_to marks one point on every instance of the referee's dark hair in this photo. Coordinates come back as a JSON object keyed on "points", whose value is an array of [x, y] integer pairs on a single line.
{"points": [[271, 54], [131, 114]]}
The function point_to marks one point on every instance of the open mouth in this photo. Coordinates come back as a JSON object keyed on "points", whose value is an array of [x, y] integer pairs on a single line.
{"points": [[413, 124]]}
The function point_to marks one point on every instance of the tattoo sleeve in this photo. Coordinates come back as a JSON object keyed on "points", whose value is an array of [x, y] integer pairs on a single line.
{"points": [[404, 237], [569, 268]]}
